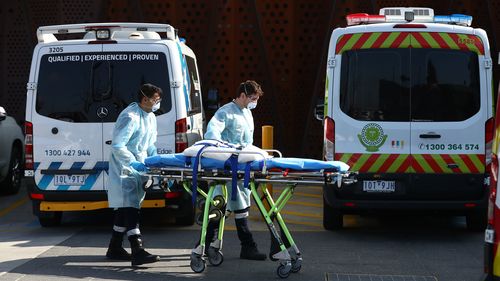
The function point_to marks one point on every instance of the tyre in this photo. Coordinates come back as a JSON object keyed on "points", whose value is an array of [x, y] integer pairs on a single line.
{"points": [[333, 219], [50, 219], [476, 221], [12, 182]]}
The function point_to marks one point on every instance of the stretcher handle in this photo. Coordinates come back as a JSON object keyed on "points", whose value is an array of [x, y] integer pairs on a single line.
{"points": [[233, 151], [274, 151]]}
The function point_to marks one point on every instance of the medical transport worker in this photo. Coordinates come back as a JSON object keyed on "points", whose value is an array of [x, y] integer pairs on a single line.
{"points": [[134, 138], [233, 123]]}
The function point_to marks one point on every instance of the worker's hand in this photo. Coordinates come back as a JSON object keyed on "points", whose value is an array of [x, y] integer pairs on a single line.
{"points": [[138, 166]]}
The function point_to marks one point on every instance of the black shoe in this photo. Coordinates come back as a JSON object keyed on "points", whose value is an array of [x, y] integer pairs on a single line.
{"points": [[115, 249], [142, 257], [251, 252], [139, 255]]}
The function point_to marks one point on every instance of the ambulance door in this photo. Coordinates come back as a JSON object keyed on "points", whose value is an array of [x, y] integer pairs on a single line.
{"points": [[448, 115], [67, 131], [133, 65], [371, 118]]}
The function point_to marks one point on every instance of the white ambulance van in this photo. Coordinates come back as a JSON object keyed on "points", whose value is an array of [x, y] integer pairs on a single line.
{"points": [[409, 105], [82, 76]]}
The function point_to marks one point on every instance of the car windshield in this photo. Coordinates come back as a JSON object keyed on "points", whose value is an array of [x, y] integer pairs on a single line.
{"points": [[410, 84], [75, 90]]}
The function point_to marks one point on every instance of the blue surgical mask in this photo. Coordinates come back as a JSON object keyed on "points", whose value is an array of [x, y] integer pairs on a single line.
{"points": [[155, 107], [252, 105]]}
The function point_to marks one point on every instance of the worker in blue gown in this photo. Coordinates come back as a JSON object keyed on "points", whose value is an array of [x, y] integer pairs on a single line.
{"points": [[233, 123], [134, 137]]}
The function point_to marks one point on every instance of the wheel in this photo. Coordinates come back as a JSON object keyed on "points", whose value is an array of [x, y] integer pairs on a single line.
{"points": [[50, 219], [197, 264], [283, 271], [476, 221], [296, 265], [215, 215], [219, 202], [215, 257], [12, 182], [333, 219]]}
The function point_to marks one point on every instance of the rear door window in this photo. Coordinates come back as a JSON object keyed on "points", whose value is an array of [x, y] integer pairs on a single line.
{"points": [[374, 85], [445, 85], [73, 90], [193, 84]]}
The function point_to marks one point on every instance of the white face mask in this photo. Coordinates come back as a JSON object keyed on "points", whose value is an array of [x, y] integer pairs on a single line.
{"points": [[252, 105], [155, 107]]}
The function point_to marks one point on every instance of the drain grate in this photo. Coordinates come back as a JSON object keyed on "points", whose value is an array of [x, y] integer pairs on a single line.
{"points": [[376, 277]]}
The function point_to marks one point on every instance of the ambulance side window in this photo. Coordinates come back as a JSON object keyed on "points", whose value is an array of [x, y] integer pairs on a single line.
{"points": [[374, 84], [193, 86]]}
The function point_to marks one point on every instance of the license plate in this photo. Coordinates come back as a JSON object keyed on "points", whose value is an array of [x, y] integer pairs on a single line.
{"points": [[69, 179], [379, 186], [488, 235]]}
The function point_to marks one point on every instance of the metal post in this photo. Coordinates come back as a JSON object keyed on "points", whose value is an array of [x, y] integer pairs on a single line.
{"points": [[267, 143]]}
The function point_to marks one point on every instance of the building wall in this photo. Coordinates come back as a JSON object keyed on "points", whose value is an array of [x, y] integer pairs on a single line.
{"points": [[281, 44]]}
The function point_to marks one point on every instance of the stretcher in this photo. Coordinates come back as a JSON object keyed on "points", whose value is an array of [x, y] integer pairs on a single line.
{"points": [[290, 172]]}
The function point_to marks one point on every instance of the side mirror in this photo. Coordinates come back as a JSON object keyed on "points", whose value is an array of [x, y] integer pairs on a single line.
{"points": [[212, 102], [319, 110], [3, 113]]}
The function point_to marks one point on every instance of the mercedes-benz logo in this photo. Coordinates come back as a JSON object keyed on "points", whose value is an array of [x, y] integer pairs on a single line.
{"points": [[102, 112]]}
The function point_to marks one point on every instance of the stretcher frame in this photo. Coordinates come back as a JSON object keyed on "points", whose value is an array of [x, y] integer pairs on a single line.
{"points": [[287, 252]]}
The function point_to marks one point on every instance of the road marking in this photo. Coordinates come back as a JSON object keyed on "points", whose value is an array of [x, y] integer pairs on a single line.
{"points": [[13, 206], [305, 204], [308, 194]]}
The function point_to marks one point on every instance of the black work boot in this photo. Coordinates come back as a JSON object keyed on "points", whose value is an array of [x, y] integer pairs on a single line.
{"points": [[115, 249], [249, 249], [139, 255]]}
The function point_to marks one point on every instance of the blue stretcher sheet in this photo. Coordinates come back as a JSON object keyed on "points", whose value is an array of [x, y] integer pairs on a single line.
{"points": [[178, 160]]}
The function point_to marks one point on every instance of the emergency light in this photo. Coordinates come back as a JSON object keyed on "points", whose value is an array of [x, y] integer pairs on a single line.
{"points": [[404, 15]]}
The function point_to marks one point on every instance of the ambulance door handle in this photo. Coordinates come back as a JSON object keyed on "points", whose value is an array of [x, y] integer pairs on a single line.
{"points": [[430, 135], [108, 142]]}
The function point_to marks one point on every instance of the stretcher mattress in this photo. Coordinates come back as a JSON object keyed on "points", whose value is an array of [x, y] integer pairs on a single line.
{"points": [[179, 160]]}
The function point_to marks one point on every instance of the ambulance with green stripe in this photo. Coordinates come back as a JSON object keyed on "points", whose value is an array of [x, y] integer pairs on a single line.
{"points": [[409, 105], [82, 76]]}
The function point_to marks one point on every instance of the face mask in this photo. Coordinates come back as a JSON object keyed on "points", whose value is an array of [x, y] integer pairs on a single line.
{"points": [[155, 107], [252, 105]]}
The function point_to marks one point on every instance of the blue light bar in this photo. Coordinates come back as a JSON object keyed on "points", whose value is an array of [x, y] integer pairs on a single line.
{"points": [[458, 19]]}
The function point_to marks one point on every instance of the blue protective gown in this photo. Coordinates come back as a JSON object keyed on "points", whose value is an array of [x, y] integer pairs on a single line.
{"points": [[234, 125], [134, 137]]}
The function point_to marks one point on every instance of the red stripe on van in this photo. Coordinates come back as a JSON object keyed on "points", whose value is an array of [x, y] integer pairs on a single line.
{"points": [[449, 160], [469, 163], [455, 38], [405, 165], [341, 42], [388, 162], [478, 43], [421, 40], [369, 162], [381, 39], [432, 162], [361, 41], [401, 37], [416, 166], [439, 40]]}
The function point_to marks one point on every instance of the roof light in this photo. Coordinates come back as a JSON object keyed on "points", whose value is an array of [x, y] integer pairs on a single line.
{"points": [[457, 19], [360, 18], [413, 14], [102, 34]]}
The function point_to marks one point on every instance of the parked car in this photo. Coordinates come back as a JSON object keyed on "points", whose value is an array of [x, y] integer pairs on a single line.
{"points": [[11, 154]]}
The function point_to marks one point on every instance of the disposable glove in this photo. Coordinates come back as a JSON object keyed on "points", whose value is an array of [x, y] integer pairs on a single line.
{"points": [[138, 166]]}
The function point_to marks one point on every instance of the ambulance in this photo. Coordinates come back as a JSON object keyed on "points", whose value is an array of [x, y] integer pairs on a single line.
{"points": [[82, 76], [491, 237], [409, 105]]}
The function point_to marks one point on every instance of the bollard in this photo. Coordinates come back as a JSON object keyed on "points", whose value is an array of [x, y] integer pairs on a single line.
{"points": [[267, 143]]}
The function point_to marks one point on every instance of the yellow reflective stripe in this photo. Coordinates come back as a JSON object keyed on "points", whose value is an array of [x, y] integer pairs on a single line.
{"points": [[375, 167], [369, 42], [397, 163], [477, 162]]}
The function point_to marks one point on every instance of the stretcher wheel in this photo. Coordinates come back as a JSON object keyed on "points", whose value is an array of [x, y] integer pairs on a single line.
{"points": [[215, 257], [215, 214], [296, 265], [283, 270], [197, 264], [219, 202]]}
